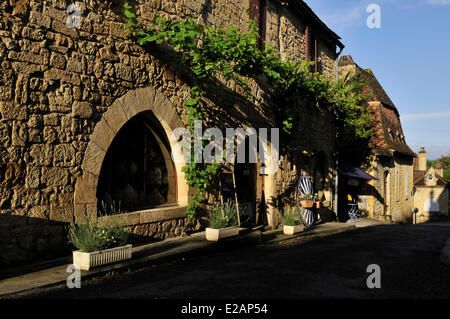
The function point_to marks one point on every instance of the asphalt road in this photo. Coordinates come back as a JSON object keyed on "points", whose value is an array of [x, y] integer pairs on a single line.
{"points": [[324, 267]]}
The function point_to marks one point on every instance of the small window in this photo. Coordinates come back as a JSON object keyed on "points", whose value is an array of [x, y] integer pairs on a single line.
{"points": [[397, 182], [406, 185], [430, 177], [258, 13], [311, 49]]}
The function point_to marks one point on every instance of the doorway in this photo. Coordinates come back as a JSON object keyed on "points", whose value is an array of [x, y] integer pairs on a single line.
{"points": [[245, 175]]}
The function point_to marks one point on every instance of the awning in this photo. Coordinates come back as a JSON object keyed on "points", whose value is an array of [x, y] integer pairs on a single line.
{"points": [[356, 172]]}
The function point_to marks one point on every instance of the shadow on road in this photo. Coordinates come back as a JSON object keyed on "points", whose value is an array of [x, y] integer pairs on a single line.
{"points": [[324, 267]]}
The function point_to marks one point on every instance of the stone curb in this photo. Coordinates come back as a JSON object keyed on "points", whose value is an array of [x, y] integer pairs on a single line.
{"points": [[306, 233]]}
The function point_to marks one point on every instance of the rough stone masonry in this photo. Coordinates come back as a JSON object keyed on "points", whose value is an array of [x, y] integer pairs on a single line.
{"points": [[65, 93]]}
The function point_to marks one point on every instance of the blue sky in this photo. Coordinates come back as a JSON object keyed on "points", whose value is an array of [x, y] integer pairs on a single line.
{"points": [[410, 56]]}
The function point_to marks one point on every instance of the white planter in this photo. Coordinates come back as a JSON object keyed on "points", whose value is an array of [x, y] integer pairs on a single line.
{"points": [[217, 234], [102, 257], [291, 230]]}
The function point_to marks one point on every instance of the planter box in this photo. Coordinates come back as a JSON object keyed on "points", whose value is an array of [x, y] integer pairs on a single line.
{"points": [[307, 203], [291, 230], [102, 257], [217, 234]]}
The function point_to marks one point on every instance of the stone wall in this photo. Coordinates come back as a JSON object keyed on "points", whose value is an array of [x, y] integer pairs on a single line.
{"points": [[56, 87], [399, 197], [402, 199], [425, 193], [286, 33]]}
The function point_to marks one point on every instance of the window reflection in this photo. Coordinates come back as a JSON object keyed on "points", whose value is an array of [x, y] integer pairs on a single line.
{"points": [[134, 172]]}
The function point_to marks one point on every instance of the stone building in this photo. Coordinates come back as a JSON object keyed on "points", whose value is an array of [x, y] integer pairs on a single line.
{"points": [[86, 115], [390, 196], [431, 193]]}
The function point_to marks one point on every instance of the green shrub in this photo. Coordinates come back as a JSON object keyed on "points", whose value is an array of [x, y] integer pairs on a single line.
{"points": [[89, 238], [291, 217], [222, 216]]}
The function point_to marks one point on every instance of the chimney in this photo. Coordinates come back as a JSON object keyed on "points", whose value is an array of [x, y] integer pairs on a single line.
{"points": [[422, 159]]}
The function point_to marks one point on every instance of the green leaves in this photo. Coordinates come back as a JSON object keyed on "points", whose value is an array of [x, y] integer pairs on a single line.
{"points": [[287, 125], [211, 53], [129, 14], [190, 102]]}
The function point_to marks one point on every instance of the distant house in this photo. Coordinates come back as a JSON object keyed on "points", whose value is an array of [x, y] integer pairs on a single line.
{"points": [[390, 196], [431, 193]]}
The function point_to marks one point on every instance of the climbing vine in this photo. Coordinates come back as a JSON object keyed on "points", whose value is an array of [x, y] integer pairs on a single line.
{"points": [[210, 52]]}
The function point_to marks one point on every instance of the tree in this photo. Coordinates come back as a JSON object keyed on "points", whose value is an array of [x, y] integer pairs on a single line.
{"points": [[445, 162]]}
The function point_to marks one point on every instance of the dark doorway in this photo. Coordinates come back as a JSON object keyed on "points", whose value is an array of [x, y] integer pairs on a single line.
{"points": [[245, 175]]}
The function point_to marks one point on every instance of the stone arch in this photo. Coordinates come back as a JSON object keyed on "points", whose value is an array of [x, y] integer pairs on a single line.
{"points": [[119, 113]]}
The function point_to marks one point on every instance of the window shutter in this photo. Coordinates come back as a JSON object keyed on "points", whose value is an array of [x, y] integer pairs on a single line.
{"points": [[254, 10], [406, 184], [307, 44], [316, 67], [312, 49], [258, 13], [262, 23]]}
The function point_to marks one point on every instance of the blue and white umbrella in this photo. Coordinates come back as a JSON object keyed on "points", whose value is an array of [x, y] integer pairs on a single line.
{"points": [[304, 187]]}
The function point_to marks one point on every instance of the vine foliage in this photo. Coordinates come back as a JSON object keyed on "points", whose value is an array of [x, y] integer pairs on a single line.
{"points": [[209, 52]]}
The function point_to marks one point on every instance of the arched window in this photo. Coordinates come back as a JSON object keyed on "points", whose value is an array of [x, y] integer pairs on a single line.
{"points": [[135, 170]]}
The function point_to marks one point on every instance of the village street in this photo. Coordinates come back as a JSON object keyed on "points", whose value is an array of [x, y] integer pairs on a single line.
{"points": [[323, 267]]}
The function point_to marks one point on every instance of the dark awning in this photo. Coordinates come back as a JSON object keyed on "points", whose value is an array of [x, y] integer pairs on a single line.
{"points": [[356, 172]]}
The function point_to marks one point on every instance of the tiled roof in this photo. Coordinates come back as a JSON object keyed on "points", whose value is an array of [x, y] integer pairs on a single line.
{"points": [[419, 176], [389, 135], [388, 130], [374, 88], [311, 16]]}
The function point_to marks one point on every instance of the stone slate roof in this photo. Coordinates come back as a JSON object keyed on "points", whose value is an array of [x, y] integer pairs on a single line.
{"points": [[389, 135], [311, 17]]}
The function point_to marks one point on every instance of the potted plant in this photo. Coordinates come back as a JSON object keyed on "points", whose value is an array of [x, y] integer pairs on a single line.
{"points": [[290, 222], [98, 245], [308, 200], [223, 221], [318, 202]]}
